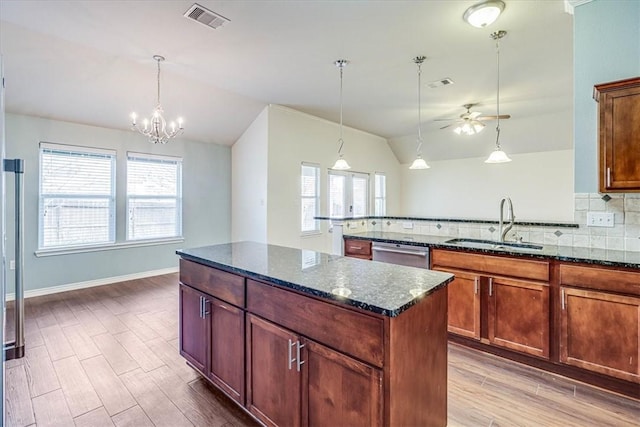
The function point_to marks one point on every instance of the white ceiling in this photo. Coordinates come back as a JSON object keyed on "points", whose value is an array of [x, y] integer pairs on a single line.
{"points": [[91, 62]]}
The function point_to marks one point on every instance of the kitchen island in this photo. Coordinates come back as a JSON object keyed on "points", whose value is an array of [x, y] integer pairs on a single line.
{"points": [[299, 337]]}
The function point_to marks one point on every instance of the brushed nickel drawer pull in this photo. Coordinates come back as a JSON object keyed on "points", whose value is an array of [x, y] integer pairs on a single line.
{"points": [[300, 362], [608, 177], [490, 286], [563, 305], [475, 286]]}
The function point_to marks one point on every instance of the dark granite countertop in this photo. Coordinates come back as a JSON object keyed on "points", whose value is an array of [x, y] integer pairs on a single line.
{"points": [[377, 287], [625, 259], [442, 219]]}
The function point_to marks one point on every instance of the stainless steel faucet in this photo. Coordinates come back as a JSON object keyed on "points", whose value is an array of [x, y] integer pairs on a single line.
{"points": [[504, 230]]}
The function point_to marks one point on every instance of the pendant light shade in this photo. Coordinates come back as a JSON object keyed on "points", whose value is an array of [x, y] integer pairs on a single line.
{"points": [[484, 13], [498, 156], [341, 163], [419, 162]]}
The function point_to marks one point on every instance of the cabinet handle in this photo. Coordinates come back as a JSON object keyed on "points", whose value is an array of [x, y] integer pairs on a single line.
{"points": [[608, 177], [355, 247], [475, 286], [490, 286], [300, 362], [205, 312], [201, 310], [291, 360], [562, 303]]}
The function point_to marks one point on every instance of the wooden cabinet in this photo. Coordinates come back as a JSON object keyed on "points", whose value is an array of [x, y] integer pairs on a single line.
{"points": [[619, 135], [357, 248], [212, 330], [600, 330], [518, 317], [295, 381], [464, 303], [514, 304], [193, 326]]}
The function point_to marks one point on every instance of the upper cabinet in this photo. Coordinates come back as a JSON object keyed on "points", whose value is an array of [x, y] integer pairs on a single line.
{"points": [[619, 135]]}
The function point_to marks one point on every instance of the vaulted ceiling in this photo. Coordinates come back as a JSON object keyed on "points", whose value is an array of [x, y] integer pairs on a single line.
{"points": [[91, 62]]}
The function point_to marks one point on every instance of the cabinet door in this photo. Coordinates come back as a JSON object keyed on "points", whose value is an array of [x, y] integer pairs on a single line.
{"points": [[226, 360], [339, 390], [519, 315], [600, 332], [620, 137], [273, 383], [464, 303], [193, 327]]}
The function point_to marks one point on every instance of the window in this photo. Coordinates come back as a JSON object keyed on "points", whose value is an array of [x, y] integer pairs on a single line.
{"points": [[380, 206], [309, 198], [77, 196], [154, 196], [348, 194]]}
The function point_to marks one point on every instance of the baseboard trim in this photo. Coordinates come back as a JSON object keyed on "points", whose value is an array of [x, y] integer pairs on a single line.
{"points": [[91, 283]]}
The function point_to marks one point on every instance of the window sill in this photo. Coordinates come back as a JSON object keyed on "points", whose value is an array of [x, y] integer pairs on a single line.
{"points": [[107, 247]]}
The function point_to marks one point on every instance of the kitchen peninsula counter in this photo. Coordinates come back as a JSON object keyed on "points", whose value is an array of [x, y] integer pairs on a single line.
{"points": [[303, 323]]}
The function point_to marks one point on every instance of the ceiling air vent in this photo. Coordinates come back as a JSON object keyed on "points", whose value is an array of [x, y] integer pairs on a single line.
{"points": [[439, 83], [205, 16]]}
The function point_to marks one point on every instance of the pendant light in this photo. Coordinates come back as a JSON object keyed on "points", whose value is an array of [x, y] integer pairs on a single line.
{"points": [[498, 156], [419, 162], [155, 128], [341, 163]]}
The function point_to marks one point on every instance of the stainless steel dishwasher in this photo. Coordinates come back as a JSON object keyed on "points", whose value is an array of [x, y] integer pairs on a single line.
{"points": [[394, 253]]}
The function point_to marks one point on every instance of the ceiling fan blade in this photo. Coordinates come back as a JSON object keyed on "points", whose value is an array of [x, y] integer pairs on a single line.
{"points": [[445, 120], [501, 116], [474, 114], [447, 126]]}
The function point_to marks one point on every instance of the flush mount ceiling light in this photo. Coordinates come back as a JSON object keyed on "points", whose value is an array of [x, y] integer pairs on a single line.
{"points": [[484, 13], [341, 163], [498, 156], [155, 128], [419, 162]]}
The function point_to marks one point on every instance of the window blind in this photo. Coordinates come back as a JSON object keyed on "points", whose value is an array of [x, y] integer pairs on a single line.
{"points": [[154, 196], [77, 196]]}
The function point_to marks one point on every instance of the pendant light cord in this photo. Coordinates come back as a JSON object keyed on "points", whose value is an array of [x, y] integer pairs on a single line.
{"points": [[341, 141], [419, 149], [497, 36], [158, 82]]}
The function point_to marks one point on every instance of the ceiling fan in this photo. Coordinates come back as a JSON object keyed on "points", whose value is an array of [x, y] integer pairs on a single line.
{"points": [[470, 122]]}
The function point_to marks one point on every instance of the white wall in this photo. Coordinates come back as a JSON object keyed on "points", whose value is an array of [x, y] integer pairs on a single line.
{"points": [[206, 181], [249, 181], [539, 184], [295, 137]]}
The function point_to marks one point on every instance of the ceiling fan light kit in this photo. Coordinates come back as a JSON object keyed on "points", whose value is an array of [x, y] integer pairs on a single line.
{"points": [[484, 13]]}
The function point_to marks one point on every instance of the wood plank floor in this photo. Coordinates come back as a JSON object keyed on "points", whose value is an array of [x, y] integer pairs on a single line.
{"points": [[108, 356]]}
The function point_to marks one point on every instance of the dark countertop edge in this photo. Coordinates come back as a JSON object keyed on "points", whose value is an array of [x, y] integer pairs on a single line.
{"points": [[313, 292], [461, 220], [514, 252]]}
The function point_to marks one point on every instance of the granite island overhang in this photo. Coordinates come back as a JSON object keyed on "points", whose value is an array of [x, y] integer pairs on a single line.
{"points": [[299, 337]]}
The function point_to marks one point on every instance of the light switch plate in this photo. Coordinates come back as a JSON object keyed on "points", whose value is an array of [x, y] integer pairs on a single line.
{"points": [[600, 219]]}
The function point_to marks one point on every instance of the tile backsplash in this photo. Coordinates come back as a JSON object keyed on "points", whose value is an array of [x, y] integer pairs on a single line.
{"points": [[624, 235]]}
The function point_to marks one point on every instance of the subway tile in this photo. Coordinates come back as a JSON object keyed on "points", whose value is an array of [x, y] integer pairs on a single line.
{"points": [[632, 218], [615, 205], [615, 243], [632, 244], [632, 205], [565, 240], [581, 240], [581, 204], [598, 242], [597, 205]]}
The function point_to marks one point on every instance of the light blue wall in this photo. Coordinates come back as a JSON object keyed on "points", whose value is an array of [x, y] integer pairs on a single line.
{"points": [[206, 184], [606, 48]]}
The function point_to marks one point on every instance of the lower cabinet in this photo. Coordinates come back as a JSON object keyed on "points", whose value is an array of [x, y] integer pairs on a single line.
{"points": [[295, 381], [212, 339], [464, 304], [519, 315], [599, 331]]}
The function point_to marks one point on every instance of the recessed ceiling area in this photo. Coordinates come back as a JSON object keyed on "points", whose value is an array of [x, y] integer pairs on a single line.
{"points": [[91, 62]]}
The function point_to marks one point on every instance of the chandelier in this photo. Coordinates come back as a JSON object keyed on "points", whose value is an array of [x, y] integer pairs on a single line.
{"points": [[155, 128]]}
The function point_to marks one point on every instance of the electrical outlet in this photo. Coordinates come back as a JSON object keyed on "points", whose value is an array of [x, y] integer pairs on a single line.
{"points": [[12, 264], [600, 219]]}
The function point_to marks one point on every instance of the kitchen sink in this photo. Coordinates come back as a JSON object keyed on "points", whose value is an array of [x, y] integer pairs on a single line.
{"points": [[492, 244]]}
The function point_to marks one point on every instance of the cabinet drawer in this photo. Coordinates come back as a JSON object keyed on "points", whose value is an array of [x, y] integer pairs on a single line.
{"points": [[357, 247], [345, 330], [600, 278], [500, 266], [220, 284]]}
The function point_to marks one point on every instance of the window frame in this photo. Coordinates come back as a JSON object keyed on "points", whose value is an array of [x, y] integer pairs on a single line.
{"points": [[178, 197], [382, 197], [77, 150], [348, 192], [316, 197]]}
